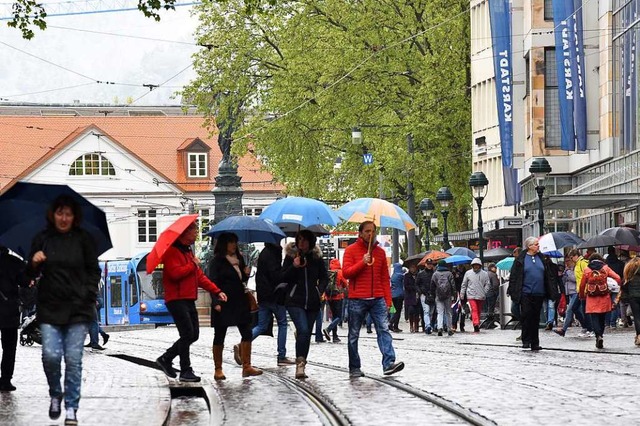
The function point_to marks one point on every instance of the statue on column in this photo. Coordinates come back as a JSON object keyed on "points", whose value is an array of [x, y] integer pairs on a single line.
{"points": [[227, 169]]}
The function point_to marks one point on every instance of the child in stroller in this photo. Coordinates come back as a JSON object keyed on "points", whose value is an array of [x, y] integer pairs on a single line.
{"points": [[29, 325]]}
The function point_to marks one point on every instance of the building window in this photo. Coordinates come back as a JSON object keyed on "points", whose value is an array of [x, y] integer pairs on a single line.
{"points": [[527, 76], [197, 165], [548, 10], [147, 226], [252, 211], [92, 165], [552, 131]]}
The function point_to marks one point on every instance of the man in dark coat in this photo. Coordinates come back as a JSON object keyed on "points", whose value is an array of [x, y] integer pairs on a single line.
{"points": [[531, 282], [270, 300], [423, 282], [12, 275]]}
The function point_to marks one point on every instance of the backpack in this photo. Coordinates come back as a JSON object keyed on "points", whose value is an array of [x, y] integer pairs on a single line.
{"points": [[443, 286], [332, 288], [597, 284]]}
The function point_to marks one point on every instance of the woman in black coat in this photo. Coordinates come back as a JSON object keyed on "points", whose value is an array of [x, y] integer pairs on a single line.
{"points": [[228, 271], [307, 278]]}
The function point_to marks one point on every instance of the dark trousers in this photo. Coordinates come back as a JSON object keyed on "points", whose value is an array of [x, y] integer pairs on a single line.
{"points": [[634, 302], [186, 318], [9, 345], [530, 307], [220, 331], [395, 318], [597, 322]]}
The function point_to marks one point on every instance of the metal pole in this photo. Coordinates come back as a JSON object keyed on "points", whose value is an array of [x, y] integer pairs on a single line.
{"points": [[411, 203], [480, 228], [427, 229], [540, 191], [445, 234]]}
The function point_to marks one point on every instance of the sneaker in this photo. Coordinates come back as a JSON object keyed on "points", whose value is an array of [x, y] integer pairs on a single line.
{"points": [[70, 418], [166, 367], [353, 374], [428, 331], [397, 330], [599, 342], [336, 339], [450, 332], [55, 408], [105, 338], [549, 327], [476, 329], [188, 376], [283, 362], [440, 332], [326, 334], [560, 332], [97, 347], [393, 368]]}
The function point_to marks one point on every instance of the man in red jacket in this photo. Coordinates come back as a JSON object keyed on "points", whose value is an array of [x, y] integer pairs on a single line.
{"points": [[369, 292], [181, 278]]}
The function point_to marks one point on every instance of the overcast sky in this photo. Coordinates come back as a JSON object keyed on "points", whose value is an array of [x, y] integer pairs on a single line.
{"points": [[89, 57]]}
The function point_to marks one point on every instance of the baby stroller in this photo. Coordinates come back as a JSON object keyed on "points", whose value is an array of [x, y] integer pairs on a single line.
{"points": [[29, 324]]}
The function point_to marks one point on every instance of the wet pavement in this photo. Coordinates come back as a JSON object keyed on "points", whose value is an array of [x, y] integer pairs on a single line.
{"points": [[483, 377]]}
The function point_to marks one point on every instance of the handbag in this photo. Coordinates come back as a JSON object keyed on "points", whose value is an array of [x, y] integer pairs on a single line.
{"points": [[251, 299]]}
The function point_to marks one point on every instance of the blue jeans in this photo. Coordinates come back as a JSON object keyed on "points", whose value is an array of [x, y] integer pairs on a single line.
{"points": [[67, 340], [358, 310], [611, 318], [265, 310], [318, 322], [303, 320], [573, 308], [426, 309], [336, 313], [444, 313], [551, 311]]}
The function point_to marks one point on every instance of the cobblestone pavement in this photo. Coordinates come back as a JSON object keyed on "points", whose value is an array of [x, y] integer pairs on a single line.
{"points": [[486, 374]]}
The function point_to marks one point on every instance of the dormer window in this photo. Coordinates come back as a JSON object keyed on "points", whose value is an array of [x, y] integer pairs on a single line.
{"points": [[197, 164], [92, 165]]}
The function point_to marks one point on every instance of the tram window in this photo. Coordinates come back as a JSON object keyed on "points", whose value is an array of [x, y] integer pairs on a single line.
{"points": [[133, 290], [116, 292]]}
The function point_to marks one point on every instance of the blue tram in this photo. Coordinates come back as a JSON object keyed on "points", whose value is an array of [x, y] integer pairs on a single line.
{"points": [[131, 296]]}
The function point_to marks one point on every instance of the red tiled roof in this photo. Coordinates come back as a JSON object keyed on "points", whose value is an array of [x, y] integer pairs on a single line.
{"points": [[28, 141]]}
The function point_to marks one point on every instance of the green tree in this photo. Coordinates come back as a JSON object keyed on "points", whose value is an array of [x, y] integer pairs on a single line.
{"points": [[303, 73]]}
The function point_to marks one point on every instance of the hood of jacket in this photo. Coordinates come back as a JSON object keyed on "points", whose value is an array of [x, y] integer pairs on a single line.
{"points": [[334, 265], [596, 264], [397, 268], [292, 251]]}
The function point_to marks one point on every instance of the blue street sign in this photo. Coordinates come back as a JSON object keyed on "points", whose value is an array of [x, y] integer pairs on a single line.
{"points": [[367, 159]]}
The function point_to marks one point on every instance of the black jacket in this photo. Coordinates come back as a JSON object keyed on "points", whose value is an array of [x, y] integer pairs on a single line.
{"points": [[423, 282], [12, 275], [516, 279], [306, 284], [68, 286], [269, 274], [236, 309]]}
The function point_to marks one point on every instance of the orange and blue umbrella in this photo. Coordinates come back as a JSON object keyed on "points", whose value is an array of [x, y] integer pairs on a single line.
{"points": [[381, 212]]}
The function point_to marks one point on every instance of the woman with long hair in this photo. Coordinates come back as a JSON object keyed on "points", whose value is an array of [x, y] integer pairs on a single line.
{"points": [[64, 256], [630, 292], [228, 270]]}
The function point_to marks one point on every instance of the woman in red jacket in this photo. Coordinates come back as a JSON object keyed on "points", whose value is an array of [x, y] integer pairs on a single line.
{"points": [[181, 278], [598, 303]]}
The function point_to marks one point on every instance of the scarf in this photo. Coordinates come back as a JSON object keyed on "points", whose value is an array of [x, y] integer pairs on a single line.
{"points": [[233, 260]]}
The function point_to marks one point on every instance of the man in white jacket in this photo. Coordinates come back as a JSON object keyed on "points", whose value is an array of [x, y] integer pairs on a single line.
{"points": [[475, 285]]}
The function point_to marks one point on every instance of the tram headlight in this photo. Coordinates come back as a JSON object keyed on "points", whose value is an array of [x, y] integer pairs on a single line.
{"points": [[143, 307]]}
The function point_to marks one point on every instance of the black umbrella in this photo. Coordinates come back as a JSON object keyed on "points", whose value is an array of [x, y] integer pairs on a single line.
{"points": [[291, 229], [496, 254], [623, 236], [598, 241], [413, 259], [23, 210]]}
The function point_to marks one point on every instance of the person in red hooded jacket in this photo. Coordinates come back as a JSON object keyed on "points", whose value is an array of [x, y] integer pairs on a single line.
{"points": [[334, 294], [365, 266], [181, 278]]}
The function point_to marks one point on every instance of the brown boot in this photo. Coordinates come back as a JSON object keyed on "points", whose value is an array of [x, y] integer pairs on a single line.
{"points": [[300, 364], [217, 362], [236, 354], [245, 353]]}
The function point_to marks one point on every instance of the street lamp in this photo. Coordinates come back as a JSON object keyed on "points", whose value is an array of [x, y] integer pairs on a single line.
{"points": [[444, 197], [540, 168], [426, 207], [356, 136], [479, 184]]}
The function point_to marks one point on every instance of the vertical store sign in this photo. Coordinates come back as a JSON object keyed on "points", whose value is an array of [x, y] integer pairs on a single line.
{"points": [[578, 63], [629, 103], [565, 50], [500, 16]]}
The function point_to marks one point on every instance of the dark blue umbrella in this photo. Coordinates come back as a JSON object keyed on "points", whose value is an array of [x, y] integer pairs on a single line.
{"points": [[249, 229], [462, 251], [23, 210], [623, 235]]}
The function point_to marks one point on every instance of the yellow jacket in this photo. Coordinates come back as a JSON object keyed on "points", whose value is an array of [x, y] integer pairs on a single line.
{"points": [[581, 264]]}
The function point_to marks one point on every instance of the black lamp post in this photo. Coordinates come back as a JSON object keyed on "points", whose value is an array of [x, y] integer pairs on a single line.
{"points": [[540, 168], [444, 197], [479, 184], [426, 207]]}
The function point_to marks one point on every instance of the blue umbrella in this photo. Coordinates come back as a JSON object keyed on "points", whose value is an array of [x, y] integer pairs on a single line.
{"points": [[23, 210], [506, 264], [554, 254], [458, 259], [301, 211], [558, 240], [462, 251], [249, 229]]}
